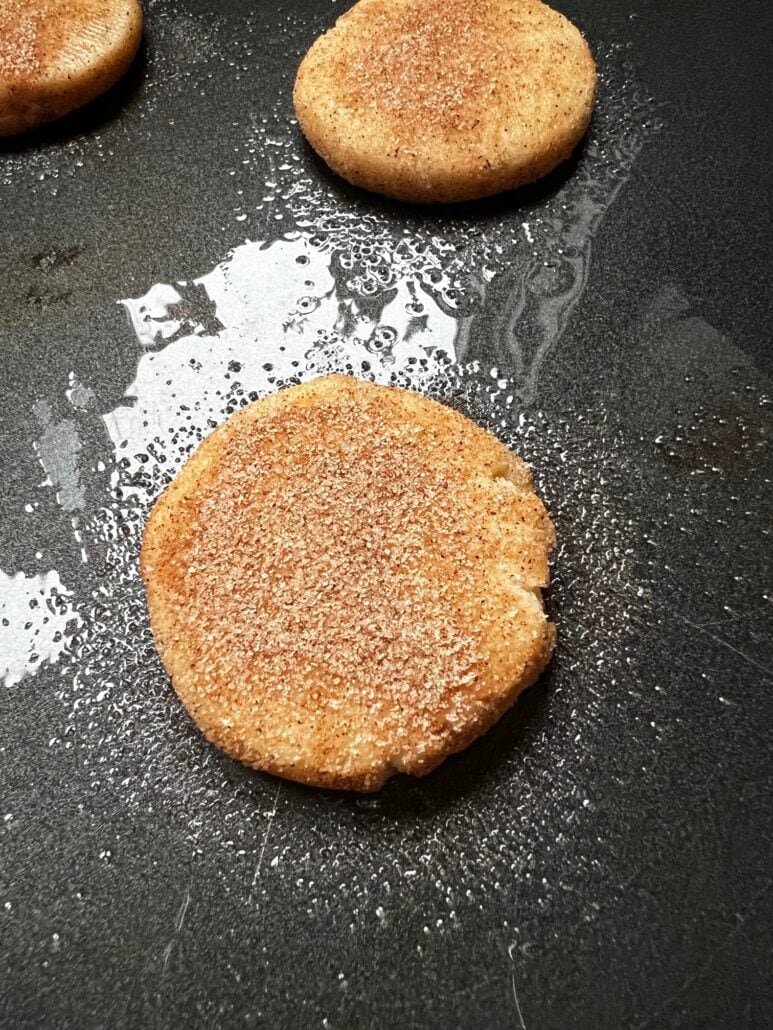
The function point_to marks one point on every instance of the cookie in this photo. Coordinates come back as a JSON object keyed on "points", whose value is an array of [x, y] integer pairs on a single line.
{"points": [[344, 582], [56, 56], [445, 100]]}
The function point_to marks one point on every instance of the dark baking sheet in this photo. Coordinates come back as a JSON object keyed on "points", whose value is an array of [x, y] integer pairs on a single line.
{"points": [[602, 858]]}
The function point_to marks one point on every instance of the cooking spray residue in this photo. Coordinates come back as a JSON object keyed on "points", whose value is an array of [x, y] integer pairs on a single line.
{"points": [[594, 593], [513, 273], [329, 281]]}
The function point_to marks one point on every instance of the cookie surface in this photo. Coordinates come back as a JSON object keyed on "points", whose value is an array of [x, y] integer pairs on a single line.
{"points": [[446, 100], [57, 55], [344, 581]]}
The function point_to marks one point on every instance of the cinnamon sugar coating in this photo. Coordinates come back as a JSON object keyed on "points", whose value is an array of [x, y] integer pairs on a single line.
{"points": [[446, 100], [344, 581]]}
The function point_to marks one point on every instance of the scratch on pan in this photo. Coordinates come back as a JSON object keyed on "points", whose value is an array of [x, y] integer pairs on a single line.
{"points": [[521, 1024], [725, 643], [178, 925], [271, 815]]}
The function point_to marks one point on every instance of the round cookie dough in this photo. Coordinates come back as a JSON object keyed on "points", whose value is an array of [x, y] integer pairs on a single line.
{"points": [[57, 55], [344, 582], [446, 100]]}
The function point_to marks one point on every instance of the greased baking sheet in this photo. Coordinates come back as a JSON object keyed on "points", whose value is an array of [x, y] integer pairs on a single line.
{"points": [[598, 859]]}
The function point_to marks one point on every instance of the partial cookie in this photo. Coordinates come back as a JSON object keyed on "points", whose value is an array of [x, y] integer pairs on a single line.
{"points": [[446, 100], [344, 581], [57, 55]]}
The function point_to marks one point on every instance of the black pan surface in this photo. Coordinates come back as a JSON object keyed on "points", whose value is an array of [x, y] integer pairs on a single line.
{"points": [[601, 859]]}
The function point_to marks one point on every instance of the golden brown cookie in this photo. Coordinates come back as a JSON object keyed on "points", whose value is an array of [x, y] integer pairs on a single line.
{"points": [[446, 100], [56, 55], [344, 582]]}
